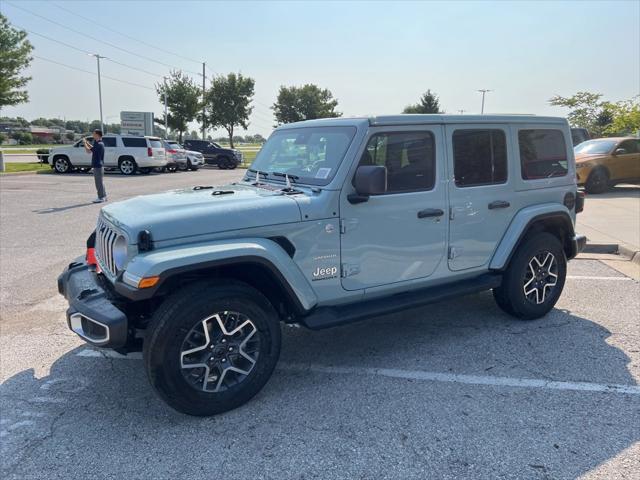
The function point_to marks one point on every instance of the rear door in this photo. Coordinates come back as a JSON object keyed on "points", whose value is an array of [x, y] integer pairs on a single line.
{"points": [[480, 193], [110, 145]]}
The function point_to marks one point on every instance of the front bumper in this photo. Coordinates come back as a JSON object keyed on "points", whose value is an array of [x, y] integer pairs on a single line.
{"points": [[91, 313]]}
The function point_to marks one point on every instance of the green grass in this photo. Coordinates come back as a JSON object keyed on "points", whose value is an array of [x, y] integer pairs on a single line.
{"points": [[26, 148], [26, 167]]}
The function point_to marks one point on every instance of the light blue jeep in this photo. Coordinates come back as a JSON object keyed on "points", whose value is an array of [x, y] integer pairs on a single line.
{"points": [[337, 220]]}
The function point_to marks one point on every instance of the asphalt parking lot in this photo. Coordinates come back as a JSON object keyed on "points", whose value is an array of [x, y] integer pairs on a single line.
{"points": [[454, 390]]}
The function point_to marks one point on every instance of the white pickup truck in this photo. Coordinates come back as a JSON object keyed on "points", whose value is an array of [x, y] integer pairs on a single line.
{"points": [[126, 153]]}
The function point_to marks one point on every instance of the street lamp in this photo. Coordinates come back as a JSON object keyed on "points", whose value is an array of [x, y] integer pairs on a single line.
{"points": [[166, 115], [484, 92], [98, 57]]}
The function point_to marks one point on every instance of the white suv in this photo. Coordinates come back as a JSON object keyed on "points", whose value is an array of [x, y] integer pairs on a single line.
{"points": [[126, 153]]}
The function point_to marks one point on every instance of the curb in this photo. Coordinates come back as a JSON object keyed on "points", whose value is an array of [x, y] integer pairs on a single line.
{"points": [[621, 249]]}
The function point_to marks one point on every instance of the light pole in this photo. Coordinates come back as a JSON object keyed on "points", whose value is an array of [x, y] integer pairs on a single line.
{"points": [[98, 57], [484, 91], [166, 115]]}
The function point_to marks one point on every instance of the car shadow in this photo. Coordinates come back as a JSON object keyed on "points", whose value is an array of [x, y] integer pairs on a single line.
{"points": [[90, 413], [61, 209], [619, 191]]}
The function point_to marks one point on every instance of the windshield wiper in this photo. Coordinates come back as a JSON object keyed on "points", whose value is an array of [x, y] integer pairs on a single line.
{"points": [[258, 173], [287, 175]]}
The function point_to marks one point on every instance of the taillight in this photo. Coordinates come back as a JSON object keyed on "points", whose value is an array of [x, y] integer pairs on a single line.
{"points": [[172, 151], [149, 151]]}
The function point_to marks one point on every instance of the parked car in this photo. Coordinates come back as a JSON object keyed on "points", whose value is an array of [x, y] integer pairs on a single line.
{"points": [[337, 220], [194, 160], [128, 154], [214, 154], [604, 162], [176, 156], [579, 135]]}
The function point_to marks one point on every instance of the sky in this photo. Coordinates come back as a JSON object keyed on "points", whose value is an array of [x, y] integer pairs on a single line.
{"points": [[375, 57]]}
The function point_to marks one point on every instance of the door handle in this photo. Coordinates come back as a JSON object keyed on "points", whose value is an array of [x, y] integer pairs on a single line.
{"points": [[499, 204], [430, 212]]}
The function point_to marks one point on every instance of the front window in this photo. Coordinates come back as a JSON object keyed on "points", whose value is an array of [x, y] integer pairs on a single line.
{"points": [[309, 155], [595, 147]]}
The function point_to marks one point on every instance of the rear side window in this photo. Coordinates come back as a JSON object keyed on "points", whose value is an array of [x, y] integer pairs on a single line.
{"points": [[109, 141], [543, 153], [630, 146], [139, 142], [409, 157], [155, 143], [480, 157]]}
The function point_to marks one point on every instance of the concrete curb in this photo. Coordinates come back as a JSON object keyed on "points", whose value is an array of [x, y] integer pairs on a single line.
{"points": [[615, 248]]}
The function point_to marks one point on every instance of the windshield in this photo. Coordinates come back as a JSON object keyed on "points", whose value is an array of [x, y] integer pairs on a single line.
{"points": [[310, 154], [174, 144], [155, 143], [595, 147]]}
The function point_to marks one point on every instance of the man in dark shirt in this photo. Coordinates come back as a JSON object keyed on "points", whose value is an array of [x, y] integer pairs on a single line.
{"points": [[97, 163]]}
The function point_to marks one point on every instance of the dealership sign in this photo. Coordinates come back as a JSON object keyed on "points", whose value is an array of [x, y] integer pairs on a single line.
{"points": [[136, 123]]}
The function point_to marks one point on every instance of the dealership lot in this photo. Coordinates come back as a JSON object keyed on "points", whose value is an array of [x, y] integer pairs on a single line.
{"points": [[457, 388]]}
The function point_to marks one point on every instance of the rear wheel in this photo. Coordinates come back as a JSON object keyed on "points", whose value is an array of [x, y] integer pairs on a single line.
{"points": [[61, 164], [211, 347], [534, 280], [127, 166], [598, 181]]}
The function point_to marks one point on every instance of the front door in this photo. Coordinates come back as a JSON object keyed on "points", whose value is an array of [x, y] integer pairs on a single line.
{"points": [[626, 165], [400, 235], [480, 193]]}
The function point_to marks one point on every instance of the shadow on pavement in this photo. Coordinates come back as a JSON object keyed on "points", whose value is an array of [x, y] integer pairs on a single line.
{"points": [[61, 209], [98, 416], [619, 191]]}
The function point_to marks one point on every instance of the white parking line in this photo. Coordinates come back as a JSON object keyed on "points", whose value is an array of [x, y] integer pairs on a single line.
{"points": [[580, 277], [424, 376], [467, 379]]}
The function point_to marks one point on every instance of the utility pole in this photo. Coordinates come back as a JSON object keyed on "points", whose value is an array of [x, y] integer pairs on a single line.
{"points": [[484, 91], [166, 115], [204, 121], [98, 57]]}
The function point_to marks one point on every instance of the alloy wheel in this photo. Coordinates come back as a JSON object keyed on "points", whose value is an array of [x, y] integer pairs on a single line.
{"points": [[127, 167], [219, 352], [62, 165], [541, 277]]}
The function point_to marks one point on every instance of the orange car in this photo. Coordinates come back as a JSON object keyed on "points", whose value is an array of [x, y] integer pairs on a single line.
{"points": [[603, 162]]}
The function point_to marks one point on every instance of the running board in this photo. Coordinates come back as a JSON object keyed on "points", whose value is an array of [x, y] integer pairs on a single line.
{"points": [[325, 317]]}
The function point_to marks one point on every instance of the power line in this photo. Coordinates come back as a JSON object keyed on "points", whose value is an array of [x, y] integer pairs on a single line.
{"points": [[100, 40], [125, 35], [92, 73], [88, 52]]}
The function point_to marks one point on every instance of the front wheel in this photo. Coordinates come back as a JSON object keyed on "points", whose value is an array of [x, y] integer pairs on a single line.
{"points": [[598, 181], [61, 165], [211, 347], [534, 280]]}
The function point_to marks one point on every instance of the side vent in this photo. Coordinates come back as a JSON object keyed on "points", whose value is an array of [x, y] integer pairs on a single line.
{"points": [[286, 245]]}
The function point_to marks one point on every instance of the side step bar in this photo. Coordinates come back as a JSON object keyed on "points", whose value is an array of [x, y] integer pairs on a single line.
{"points": [[325, 317]]}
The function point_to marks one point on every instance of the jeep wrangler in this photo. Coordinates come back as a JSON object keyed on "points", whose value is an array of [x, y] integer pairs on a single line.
{"points": [[337, 220]]}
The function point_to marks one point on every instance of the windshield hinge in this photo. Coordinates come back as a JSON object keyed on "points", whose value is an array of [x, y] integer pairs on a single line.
{"points": [[347, 224], [452, 215]]}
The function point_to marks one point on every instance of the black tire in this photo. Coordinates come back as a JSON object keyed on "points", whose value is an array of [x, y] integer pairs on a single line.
{"points": [[61, 164], [598, 181], [145, 170], [224, 163], [172, 329], [127, 166], [524, 271]]}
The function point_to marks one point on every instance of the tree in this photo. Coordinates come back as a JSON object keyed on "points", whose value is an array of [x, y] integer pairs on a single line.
{"points": [[3, 138], [295, 104], [429, 103], [183, 101], [626, 117], [15, 56], [587, 110], [227, 102]]}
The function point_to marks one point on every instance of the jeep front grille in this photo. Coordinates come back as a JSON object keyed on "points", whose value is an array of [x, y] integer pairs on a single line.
{"points": [[105, 239]]}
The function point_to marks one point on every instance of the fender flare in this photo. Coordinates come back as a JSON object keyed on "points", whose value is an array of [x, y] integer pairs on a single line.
{"points": [[168, 262], [521, 223]]}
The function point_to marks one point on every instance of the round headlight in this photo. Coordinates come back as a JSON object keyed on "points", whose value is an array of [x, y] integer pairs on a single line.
{"points": [[120, 252]]}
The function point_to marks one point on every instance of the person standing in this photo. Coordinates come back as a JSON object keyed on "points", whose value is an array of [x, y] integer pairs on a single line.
{"points": [[97, 163]]}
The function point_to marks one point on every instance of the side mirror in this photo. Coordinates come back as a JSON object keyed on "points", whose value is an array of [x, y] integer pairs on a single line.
{"points": [[620, 151], [369, 180]]}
